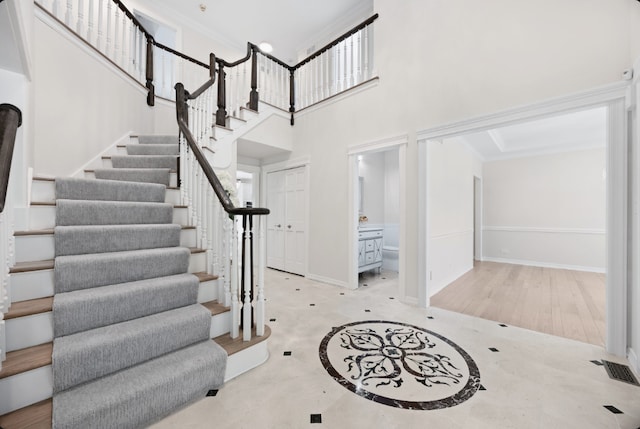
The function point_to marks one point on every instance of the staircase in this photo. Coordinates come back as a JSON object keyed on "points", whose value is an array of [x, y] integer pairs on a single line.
{"points": [[117, 328]]}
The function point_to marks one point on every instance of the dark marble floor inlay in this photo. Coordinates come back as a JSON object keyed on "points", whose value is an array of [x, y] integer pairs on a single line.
{"points": [[212, 393], [430, 317], [272, 320], [287, 353], [597, 362], [493, 349], [503, 325], [316, 418], [482, 387], [367, 311], [613, 409], [399, 365]]}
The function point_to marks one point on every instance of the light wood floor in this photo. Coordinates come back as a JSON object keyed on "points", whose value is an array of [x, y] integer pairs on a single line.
{"points": [[569, 304]]}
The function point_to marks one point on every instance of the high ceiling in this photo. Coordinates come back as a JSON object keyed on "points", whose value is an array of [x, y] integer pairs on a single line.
{"points": [[290, 26], [563, 133]]}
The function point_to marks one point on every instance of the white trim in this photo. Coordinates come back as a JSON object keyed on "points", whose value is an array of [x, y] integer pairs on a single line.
{"points": [[446, 282], [423, 227], [530, 229], [378, 145], [574, 102], [247, 359], [633, 361], [16, 21], [328, 280], [452, 234], [286, 165], [98, 158], [616, 97], [371, 83], [544, 264]]}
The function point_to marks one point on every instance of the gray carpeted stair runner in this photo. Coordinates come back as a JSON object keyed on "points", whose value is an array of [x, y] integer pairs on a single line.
{"points": [[131, 343]]}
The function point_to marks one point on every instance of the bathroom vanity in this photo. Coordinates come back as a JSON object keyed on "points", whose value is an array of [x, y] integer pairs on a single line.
{"points": [[369, 249]]}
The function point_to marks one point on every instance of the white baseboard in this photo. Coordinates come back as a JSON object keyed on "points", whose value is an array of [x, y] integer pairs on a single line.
{"points": [[545, 264], [328, 280], [97, 160], [633, 361]]}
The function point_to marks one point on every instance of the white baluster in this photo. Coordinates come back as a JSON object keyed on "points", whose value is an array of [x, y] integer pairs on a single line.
{"points": [[260, 306], [55, 6], [360, 56], [69, 14], [352, 54], [100, 25], [235, 306], [80, 22], [125, 46], [370, 50], [226, 255], [116, 37], [107, 49], [90, 21], [246, 268]]}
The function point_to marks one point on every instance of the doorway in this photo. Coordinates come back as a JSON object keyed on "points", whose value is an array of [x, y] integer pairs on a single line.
{"points": [[614, 99]]}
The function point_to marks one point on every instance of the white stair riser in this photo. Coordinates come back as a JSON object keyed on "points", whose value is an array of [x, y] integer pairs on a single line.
{"points": [[121, 150], [29, 331], [247, 115], [26, 388], [34, 247], [41, 247], [218, 132], [31, 285], [39, 284], [44, 217], [106, 163], [234, 123], [44, 191], [173, 178], [247, 359], [208, 291]]}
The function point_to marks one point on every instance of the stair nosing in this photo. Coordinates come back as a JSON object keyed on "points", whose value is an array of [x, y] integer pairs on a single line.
{"points": [[28, 266], [9, 370], [42, 305]]}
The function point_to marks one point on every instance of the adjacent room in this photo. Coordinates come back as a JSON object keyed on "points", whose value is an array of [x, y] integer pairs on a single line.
{"points": [[517, 225]]}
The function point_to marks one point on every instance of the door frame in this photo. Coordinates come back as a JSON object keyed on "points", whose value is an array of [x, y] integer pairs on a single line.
{"points": [[477, 218], [618, 100], [399, 142]]}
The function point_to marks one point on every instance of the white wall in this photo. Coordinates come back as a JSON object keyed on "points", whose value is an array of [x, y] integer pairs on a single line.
{"points": [[372, 170], [546, 210], [451, 168]]}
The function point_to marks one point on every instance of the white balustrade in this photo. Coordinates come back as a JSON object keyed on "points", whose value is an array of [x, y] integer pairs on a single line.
{"points": [[7, 260]]}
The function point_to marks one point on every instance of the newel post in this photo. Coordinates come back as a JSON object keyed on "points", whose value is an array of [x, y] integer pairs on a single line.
{"points": [[182, 112], [292, 94], [212, 65], [151, 95], [254, 97], [221, 114]]}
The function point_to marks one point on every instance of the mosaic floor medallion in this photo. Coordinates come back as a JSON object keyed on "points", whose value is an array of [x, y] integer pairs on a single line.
{"points": [[399, 365]]}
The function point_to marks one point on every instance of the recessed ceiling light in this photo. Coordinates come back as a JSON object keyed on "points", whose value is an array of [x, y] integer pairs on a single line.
{"points": [[265, 47]]}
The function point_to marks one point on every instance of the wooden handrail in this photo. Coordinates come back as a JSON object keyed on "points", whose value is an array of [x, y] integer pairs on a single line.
{"points": [[223, 197], [10, 121], [180, 54]]}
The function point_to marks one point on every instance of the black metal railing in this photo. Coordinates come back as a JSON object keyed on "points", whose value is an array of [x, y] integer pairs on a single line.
{"points": [[10, 121]]}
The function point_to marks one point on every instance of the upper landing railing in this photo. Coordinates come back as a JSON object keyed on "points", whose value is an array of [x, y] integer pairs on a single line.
{"points": [[111, 29]]}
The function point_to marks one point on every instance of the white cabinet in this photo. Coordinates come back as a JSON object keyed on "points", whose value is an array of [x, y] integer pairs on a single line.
{"points": [[369, 249], [286, 225]]}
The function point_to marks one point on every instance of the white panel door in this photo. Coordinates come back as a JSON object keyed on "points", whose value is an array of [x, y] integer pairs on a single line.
{"points": [[275, 220], [295, 219]]}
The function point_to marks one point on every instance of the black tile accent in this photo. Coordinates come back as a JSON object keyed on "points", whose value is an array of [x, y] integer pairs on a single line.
{"points": [[620, 372], [312, 305], [503, 325], [286, 278], [367, 311], [212, 392], [316, 418], [272, 320], [613, 409], [482, 387], [391, 297], [430, 317], [298, 290], [341, 293], [364, 284], [287, 353], [493, 349], [597, 362], [384, 278]]}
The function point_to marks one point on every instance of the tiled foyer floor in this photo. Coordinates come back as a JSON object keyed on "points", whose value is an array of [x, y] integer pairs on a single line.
{"points": [[526, 379]]}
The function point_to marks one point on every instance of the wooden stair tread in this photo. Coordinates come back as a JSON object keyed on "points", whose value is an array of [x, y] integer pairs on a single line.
{"points": [[236, 118], [250, 110], [53, 204], [223, 127], [109, 156], [23, 267], [44, 179], [26, 359], [215, 307], [195, 250], [29, 307], [205, 277], [91, 170], [236, 345], [47, 231], [36, 416]]}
